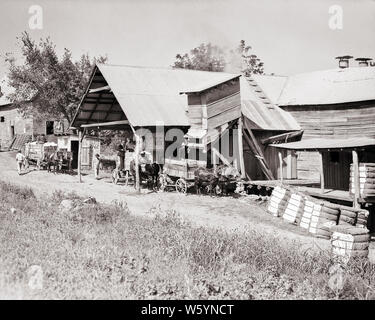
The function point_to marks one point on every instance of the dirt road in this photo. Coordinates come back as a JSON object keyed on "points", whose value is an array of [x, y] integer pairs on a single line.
{"points": [[222, 212]]}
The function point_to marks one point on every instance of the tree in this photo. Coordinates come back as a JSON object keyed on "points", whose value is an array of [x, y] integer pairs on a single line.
{"points": [[55, 86], [212, 58], [250, 63], [206, 57]]}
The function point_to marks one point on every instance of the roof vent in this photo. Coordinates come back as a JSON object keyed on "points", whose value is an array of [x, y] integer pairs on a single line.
{"points": [[344, 61], [363, 62]]}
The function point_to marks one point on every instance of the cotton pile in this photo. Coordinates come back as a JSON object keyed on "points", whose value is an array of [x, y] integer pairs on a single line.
{"points": [[366, 180], [323, 217], [278, 201], [294, 209], [349, 242]]}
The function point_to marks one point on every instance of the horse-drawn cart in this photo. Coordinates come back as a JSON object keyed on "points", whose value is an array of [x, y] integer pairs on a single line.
{"points": [[179, 174], [37, 153]]}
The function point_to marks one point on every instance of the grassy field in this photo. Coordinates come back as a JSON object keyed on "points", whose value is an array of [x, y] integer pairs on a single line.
{"points": [[94, 251]]}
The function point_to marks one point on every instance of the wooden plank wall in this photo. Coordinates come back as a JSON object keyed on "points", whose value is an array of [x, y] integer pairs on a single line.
{"points": [[215, 107], [338, 120], [252, 166]]}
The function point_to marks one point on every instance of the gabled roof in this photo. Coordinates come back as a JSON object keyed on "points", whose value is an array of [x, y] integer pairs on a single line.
{"points": [[150, 95], [329, 86], [259, 108]]}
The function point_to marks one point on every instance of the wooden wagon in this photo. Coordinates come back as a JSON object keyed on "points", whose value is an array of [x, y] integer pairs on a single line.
{"points": [[179, 174], [37, 153]]}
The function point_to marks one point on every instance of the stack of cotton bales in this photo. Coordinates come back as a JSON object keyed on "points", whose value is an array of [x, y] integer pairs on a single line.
{"points": [[278, 201], [348, 215], [308, 208], [294, 209], [349, 242], [362, 217], [323, 217], [366, 180]]}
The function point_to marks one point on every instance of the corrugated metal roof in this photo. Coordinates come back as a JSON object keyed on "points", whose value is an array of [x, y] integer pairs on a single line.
{"points": [[264, 116], [151, 95], [5, 90], [327, 143], [210, 84], [329, 86], [272, 85]]}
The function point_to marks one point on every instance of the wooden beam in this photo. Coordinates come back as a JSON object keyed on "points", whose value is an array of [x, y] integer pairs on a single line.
{"points": [[221, 157], [136, 160], [284, 136], [281, 167], [260, 152], [105, 124], [240, 148], [321, 170], [289, 165], [356, 180], [81, 134], [105, 88], [255, 153]]}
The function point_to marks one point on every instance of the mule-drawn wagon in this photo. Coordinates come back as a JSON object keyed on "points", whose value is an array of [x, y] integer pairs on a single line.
{"points": [[37, 153], [179, 174]]}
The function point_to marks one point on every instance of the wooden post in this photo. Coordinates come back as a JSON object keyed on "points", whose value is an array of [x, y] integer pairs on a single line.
{"points": [[136, 160], [240, 148], [289, 165], [281, 166], [79, 154], [137, 147], [356, 180], [321, 169]]}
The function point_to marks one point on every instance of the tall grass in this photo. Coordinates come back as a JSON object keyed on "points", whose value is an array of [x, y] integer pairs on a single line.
{"points": [[102, 251]]}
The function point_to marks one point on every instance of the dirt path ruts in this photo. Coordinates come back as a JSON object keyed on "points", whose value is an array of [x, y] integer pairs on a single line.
{"points": [[222, 212]]}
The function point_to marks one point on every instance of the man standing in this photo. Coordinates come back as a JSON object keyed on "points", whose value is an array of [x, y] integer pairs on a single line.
{"points": [[96, 166], [20, 158]]}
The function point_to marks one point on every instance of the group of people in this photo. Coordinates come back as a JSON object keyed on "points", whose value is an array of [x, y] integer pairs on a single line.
{"points": [[127, 145]]}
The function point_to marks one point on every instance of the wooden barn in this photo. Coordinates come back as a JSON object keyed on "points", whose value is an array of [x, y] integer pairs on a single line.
{"points": [[265, 123], [161, 105], [336, 110]]}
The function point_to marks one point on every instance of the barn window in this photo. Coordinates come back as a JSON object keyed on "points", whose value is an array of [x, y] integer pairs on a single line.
{"points": [[49, 127], [2, 119], [334, 157]]}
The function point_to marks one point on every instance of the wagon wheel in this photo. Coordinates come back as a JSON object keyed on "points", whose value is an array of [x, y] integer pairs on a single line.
{"points": [[162, 182], [181, 186], [115, 176]]}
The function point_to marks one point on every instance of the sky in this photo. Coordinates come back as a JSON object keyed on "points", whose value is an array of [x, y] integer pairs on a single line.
{"points": [[290, 36]]}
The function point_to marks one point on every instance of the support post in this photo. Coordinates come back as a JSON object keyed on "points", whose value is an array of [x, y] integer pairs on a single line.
{"points": [[356, 180], [240, 148], [136, 160], [79, 154], [321, 170], [281, 167]]}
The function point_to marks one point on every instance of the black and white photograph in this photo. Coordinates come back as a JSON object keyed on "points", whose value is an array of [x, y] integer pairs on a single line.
{"points": [[205, 152]]}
